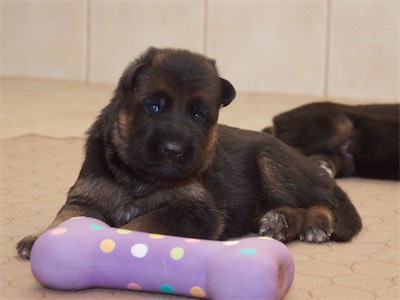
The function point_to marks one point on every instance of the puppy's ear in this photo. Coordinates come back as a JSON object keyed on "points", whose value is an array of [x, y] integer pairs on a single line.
{"points": [[270, 130], [228, 92], [131, 72], [128, 77]]}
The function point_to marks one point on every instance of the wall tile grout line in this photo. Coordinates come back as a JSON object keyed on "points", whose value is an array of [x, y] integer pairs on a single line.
{"points": [[328, 27], [205, 27], [88, 41]]}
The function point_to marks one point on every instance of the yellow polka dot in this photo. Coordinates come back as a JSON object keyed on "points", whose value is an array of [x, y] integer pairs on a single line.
{"points": [[156, 236], [177, 253], [197, 292], [123, 231], [107, 246]]}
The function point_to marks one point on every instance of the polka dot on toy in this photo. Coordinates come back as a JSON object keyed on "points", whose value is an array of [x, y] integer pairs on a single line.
{"points": [[192, 241], [230, 243], [123, 231], [197, 292], [156, 236], [107, 246], [96, 227], [177, 253], [139, 250], [166, 288], [58, 231], [264, 237], [134, 287], [248, 251]]}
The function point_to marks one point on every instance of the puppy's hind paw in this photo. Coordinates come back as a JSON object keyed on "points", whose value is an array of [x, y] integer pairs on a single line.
{"points": [[274, 225], [25, 245]]}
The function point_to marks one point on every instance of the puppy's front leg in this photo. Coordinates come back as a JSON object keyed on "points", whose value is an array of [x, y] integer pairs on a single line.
{"points": [[284, 224], [68, 211], [314, 224], [186, 219]]}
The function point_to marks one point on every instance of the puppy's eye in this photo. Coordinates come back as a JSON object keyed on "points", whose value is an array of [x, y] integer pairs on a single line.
{"points": [[152, 107], [199, 116]]}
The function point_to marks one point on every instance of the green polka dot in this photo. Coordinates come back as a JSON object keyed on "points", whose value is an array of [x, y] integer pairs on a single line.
{"points": [[177, 253], [165, 288], [248, 251], [96, 227]]}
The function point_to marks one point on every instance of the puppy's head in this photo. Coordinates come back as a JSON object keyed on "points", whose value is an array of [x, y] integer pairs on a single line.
{"points": [[166, 109], [311, 128]]}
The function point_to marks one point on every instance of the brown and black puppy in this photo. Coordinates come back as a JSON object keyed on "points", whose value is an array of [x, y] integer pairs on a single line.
{"points": [[345, 140], [156, 161]]}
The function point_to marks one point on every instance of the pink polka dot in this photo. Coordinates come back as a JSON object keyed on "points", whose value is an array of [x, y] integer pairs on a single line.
{"points": [[192, 241], [134, 287], [58, 231]]}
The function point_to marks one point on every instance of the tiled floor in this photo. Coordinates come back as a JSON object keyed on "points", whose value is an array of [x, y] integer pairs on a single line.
{"points": [[37, 170]]}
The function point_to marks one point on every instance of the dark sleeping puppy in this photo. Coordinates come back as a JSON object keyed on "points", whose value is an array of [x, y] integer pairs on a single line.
{"points": [[156, 161], [345, 140]]}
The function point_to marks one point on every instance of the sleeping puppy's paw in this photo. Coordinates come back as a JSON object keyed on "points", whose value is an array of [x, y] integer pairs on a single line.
{"points": [[324, 163], [274, 225], [314, 235], [25, 245]]}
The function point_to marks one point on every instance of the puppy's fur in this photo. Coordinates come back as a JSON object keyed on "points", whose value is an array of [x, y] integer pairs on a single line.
{"points": [[346, 140], [156, 161]]}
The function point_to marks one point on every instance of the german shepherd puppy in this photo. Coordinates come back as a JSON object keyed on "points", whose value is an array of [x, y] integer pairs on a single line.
{"points": [[156, 161], [361, 140]]}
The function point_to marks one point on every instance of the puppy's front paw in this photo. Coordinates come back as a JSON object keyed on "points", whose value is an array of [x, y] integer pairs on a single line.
{"points": [[314, 235], [274, 225], [25, 245]]}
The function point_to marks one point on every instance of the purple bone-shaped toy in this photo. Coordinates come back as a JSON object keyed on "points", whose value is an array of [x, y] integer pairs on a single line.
{"points": [[84, 253]]}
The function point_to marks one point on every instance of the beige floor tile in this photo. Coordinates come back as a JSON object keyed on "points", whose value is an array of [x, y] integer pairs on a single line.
{"points": [[36, 173]]}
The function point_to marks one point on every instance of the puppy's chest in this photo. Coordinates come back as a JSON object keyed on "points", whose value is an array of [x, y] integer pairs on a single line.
{"points": [[131, 207]]}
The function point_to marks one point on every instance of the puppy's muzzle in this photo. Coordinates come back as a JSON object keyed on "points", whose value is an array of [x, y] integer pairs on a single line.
{"points": [[171, 150]]}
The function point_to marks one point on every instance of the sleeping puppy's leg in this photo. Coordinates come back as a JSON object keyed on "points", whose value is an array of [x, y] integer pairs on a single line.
{"points": [[325, 163], [334, 165], [286, 224]]}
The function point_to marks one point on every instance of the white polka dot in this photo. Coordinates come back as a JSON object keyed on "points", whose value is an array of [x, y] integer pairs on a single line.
{"points": [[230, 243], [139, 250]]}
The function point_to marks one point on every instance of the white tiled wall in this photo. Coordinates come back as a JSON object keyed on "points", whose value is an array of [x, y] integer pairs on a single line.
{"points": [[334, 48], [120, 30], [365, 52], [44, 39], [274, 46]]}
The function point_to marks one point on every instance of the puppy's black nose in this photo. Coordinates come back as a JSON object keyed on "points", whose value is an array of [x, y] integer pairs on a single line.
{"points": [[171, 150]]}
